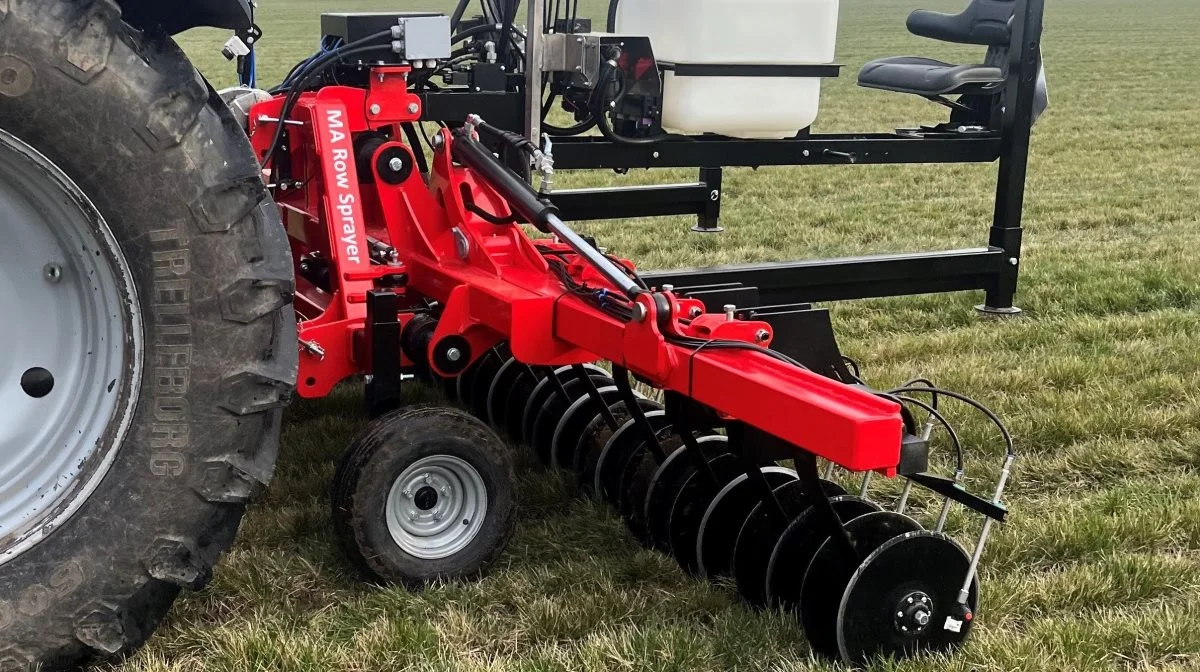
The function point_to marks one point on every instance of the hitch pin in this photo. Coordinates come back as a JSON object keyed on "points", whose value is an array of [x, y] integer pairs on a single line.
{"points": [[313, 348], [987, 529]]}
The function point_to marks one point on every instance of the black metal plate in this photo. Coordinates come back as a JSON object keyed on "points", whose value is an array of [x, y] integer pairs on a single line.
{"points": [[759, 534], [569, 430], [727, 514], [693, 500], [666, 483], [831, 569], [799, 543], [929, 562]]}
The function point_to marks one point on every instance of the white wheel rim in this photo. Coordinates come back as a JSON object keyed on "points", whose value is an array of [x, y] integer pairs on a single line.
{"points": [[436, 507], [72, 319]]}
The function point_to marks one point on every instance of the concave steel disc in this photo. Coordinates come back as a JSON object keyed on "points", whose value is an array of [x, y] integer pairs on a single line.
{"points": [[465, 383], [502, 389], [541, 394], [666, 483], [546, 419], [693, 500], [569, 430], [831, 569], [799, 543], [511, 411], [727, 514], [616, 453], [761, 532], [635, 482], [595, 437], [881, 610], [485, 374]]}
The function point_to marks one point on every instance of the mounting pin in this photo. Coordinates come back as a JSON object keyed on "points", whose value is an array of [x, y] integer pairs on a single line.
{"points": [[376, 109], [762, 336], [730, 311], [396, 164], [413, 108], [453, 354]]}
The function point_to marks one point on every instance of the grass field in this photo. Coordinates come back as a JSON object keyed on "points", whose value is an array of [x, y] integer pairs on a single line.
{"points": [[1099, 568]]}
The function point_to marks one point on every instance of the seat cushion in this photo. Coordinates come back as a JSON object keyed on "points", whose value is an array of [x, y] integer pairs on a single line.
{"points": [[927, 77]]}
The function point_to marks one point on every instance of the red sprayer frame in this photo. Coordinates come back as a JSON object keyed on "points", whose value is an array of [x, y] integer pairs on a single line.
{"points": [[492, 283]]}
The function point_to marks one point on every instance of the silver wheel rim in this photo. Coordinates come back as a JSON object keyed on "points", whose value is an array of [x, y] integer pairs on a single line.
{"points": [[72, 347], [436, 507]]}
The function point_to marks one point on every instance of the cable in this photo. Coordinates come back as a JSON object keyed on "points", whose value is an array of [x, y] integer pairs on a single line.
{"points": [[1008, 440], [936, 415], [302, 79]]}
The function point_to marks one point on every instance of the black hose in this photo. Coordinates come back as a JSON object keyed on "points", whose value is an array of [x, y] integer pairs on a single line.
{"points": [[414, 142], [456, 17]]}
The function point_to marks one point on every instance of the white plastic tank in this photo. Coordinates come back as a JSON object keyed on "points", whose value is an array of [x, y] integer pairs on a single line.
{"points": [[737, 32]]}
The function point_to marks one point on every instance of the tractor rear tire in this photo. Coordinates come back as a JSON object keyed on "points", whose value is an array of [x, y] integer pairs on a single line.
{"points": [[122, 115]]}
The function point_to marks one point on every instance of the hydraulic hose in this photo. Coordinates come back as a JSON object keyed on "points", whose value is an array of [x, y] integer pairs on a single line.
{"points": [[524, 201]]}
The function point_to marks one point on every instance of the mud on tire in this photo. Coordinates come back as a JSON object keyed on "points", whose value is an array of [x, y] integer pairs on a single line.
{"points": [[130, 121]]}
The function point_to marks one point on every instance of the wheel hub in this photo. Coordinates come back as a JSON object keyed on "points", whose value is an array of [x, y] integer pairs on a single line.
{"points": [[72, 347], [913, 613], [436, 507]]}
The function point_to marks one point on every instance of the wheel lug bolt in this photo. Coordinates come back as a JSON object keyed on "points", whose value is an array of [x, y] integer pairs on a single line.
{"points": [[408, 494], [412, 515], [910, 600], [427, 478]]}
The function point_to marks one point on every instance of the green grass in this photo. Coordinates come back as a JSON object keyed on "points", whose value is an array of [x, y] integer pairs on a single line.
{"points": [[1099, 568]]}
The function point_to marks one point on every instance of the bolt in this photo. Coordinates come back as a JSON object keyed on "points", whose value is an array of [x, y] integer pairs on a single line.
{"points": [[445, 490], [408, 494], [53, 272], [412, 515], [376, 109], [695, 312], [806, 153], [668, 288], [730, 311], [437, 515], [899, 614], [910, 599], [656, 155], [427, 478], [396, 164], [413, 108], [1013, 261], [454, 354], [762, 336]]}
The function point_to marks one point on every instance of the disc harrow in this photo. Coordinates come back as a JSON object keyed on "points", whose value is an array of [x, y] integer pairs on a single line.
{"points": [[704, 427]]}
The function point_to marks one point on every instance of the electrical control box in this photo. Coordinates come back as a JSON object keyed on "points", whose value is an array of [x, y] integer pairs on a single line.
{"points": [[412, 36]]}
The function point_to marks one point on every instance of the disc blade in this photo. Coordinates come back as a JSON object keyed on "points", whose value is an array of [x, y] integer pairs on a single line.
{"points": [[757, 538], [665, 484], [875, 606], [595, 437], [799, 543], [616, 454], [635, 482], [485, 375], [541, 394], [546, 420], [693, 500], [569, 430], [831, 568], [502, 390], [727, 513]]}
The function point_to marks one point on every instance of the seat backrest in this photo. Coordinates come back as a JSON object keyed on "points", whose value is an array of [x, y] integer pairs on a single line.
{"points": [[983, 22]]}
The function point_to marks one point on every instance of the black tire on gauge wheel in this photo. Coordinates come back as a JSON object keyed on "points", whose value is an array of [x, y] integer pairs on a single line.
{"points": [[424, 494], [151, 341]]}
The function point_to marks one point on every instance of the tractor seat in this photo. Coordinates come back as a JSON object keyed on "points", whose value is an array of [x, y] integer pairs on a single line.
{"points": [[929, 78]]}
